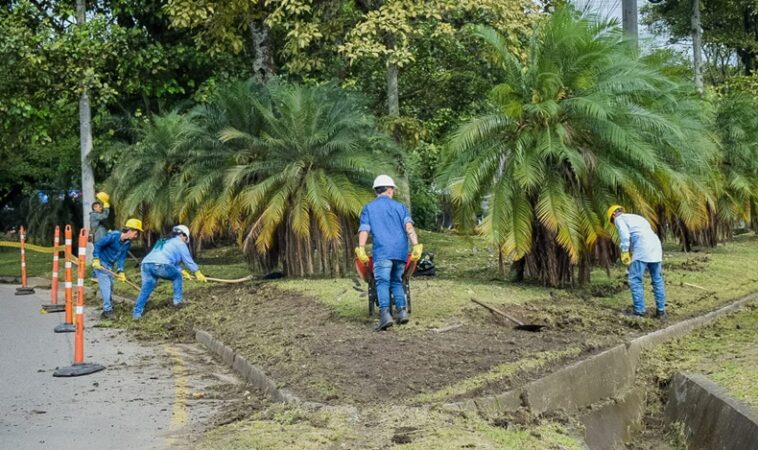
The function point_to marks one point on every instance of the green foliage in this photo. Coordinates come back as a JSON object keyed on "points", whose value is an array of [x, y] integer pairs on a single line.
{"points": [[730, 27], [285, 167], [145, 179], [302, 176], [737, 127], [582, 124]]}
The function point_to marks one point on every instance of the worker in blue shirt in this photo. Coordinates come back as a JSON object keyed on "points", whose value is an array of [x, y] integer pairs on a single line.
{"points": [[390, 225], [163, 263], [641, 250], [110, 251]]}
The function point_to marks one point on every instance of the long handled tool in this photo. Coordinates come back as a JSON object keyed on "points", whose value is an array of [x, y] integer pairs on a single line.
{"points": [[237, 281], [113, 274], [519, 324]]}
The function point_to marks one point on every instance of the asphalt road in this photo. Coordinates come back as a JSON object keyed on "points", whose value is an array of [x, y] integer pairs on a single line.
{"points": [[149, 396]]}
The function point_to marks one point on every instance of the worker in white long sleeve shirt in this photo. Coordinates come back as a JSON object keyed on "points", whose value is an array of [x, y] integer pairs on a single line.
{"points": [[641, 250]]}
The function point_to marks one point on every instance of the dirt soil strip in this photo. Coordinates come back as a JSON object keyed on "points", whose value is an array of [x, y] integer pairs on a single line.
{"points": [[320, 356]]}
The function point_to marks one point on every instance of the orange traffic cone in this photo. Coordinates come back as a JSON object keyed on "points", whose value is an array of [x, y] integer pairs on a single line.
{"points": [[79, 367]]}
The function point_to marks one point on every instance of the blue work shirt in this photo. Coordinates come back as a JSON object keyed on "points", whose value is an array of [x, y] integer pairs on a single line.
{"points": [[171, 252], [385, 219], [110, 250], [637, 236]]}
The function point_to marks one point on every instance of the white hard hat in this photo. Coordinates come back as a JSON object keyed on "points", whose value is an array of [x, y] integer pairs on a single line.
{"points": [[383, 180], [182, 229]]}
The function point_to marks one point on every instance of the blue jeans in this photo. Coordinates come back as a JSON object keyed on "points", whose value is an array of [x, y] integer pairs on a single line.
{"points": [[388, 274], [636, 272], [151, 273], [105, 282]]}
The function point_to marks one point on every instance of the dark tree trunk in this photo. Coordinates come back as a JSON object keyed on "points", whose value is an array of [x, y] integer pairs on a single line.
{"points": [[263, 60], [548, 262]]}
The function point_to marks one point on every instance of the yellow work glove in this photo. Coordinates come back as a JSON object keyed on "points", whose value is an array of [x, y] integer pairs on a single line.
{"points": [[96, 264], [626, 258], [200, 277], [121, 276], [416, 252], [186, 275], [360, 253]]}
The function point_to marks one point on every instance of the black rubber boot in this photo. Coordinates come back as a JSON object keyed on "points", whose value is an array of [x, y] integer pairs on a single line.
{"points": [[385, 320], [402, 316]]}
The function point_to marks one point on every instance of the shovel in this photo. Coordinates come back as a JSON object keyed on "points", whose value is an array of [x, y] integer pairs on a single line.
{"points": [[519, 324]]}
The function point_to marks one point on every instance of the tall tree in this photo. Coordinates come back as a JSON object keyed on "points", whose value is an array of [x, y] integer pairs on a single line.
{"points": [[85, 135]]}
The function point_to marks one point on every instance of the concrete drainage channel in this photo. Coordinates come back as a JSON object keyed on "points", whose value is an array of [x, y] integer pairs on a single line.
{"points": [[599, 390]]}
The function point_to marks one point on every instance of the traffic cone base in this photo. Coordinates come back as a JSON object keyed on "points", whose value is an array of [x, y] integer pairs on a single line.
{"points": [[65, 328], [57, 308], [76, 370], [24, 291]]}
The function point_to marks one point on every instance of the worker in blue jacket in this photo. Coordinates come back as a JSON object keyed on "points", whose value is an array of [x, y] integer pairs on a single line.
{"points": [[163, 263], [110, 252]]}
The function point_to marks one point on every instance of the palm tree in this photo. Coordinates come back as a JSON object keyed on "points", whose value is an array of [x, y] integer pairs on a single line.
{"points": [[581, 124], [145, 180], [737, 125], [302, 171]]}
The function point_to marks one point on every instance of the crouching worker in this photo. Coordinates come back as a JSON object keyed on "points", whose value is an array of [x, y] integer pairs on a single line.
{"points": [[163, 263], [110, 251]]}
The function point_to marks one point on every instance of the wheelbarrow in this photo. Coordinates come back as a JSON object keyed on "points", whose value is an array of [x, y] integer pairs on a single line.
{"points": [[366, 273]]}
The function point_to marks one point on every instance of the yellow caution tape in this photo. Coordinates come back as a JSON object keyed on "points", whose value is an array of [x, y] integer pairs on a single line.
{"points": [[32, 247]]}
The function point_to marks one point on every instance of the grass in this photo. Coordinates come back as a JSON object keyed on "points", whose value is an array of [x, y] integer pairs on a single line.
{"points": [[726, 352], [291, 427], [725, 272], [37, 264]]}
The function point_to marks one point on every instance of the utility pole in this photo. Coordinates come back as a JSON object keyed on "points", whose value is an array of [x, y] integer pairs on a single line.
{"points": [[85, 136], [697, 46], [629, 19]]}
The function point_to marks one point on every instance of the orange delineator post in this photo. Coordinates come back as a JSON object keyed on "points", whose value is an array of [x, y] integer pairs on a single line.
{"points": [[79, 367], [24, 289], [79, 338], [54, 306], [23, 258], [68, 325], [54, 285]]}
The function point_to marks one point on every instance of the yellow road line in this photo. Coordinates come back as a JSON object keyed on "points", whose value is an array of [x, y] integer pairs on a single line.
{"points": [[179, 411]]}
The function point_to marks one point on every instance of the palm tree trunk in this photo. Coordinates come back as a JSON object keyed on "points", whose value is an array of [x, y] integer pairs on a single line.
{"points": [[548, 262]]}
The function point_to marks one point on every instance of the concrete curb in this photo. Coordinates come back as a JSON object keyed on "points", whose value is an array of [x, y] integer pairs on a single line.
{"points": [[609, 374], [712, 419], [244, 368]]}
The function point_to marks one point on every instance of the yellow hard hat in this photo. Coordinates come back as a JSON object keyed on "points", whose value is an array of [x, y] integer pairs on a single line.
{"points": [[134, 224], [612, 210], [103, 197]]}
